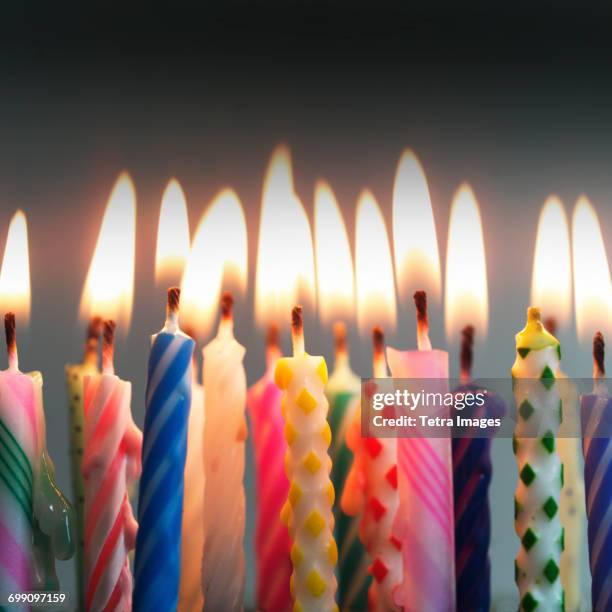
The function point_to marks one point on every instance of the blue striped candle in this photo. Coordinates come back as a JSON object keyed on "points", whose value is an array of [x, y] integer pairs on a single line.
{"points": [[597, 445], [472, 472], [160, 507]]}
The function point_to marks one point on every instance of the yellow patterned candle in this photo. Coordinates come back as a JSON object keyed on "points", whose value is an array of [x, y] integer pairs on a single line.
{"points": [[308, 509]]}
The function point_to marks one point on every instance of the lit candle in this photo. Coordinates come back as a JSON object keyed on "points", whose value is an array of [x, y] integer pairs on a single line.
{"points": [[160, 507], [308, 509], [219, 250], [272, 543], [371, 494], [107, 294], [472, 472], [111, 465], [37, 523], [425, 523], [538, 493], [336, 304], [466, 311], [551, 289], [597, 446], [225, 432]]}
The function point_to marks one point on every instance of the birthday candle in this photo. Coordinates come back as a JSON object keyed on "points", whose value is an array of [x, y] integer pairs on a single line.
{"points": [[371, 494], [36, 520], [191, 595], [111, 464], [596, 410], [224, 439], [272, 543], [160, 507], [342, 389], [308, 509], [537, 523], [75, 374], [472, 472], [425, 523]]}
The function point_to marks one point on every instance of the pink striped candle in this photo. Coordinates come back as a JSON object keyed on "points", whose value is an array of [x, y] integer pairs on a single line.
{"points": [[272, 543], [111, 464], [425, 522]]}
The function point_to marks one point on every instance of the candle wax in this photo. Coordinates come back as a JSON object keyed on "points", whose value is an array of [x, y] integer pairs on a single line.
{"points": [[191, 595], [425, 522], [224, 500], [353, 578], [272, 543]]}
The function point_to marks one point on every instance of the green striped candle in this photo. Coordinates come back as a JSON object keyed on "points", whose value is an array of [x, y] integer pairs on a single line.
{"points": [[343, 392]]}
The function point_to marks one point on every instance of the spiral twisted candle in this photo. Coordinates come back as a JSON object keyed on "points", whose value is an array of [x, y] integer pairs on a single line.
{"points": [[537, 523], [272, 543], [111, 464], [343, 387], [160, 507], [371, 494], [597, 447], [308, 509], [224, 438]]}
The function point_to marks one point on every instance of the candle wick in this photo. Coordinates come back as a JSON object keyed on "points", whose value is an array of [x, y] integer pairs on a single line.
{"points": [[467, 353], [599, 369], [272, 346], [108, 347], [297, 331], [340, 338], [226, 325], [550, 323], [378, 357], [92, 340], [10, 329], [420, 302]]}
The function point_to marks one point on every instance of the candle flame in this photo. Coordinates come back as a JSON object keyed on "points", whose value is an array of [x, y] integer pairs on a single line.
{"points": [[15, 272], [335, 284], [109, 288], [467, 301], [285, 262], [217, 261], [551, 283], [373, 268], [172, 236], [417, 259], [592, 286]]}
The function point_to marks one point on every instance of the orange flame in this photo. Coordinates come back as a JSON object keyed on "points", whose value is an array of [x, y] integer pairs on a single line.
{"points": [[417, 259], [172, 236], [15, 293], [592, 286], [218, 260], [467, 301], [285, 262], [335, 283], [109, 288], [373, 268], [551, 283]]}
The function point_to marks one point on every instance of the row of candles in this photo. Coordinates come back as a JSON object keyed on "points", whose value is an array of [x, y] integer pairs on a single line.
{"points": [[405, 520]]}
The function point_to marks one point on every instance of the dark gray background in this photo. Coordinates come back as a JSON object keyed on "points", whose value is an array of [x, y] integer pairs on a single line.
{"points": [[516, 102]]}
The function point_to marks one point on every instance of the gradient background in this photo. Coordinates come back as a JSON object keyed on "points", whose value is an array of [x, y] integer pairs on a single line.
{"points": [[515, 101]]}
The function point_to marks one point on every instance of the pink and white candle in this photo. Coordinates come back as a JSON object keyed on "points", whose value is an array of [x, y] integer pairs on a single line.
{"points": [[425, 522], [111, 465]]}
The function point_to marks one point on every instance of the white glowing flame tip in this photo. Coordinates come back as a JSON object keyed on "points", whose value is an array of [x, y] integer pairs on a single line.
{"points": [[109, 287], [172, 236], [592, 285], [336, 290], [467, 301], [15, 271], [376, 304]]}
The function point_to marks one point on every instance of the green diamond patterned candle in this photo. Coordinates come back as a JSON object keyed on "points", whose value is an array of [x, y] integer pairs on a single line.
{"points": [[538, 492]]}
